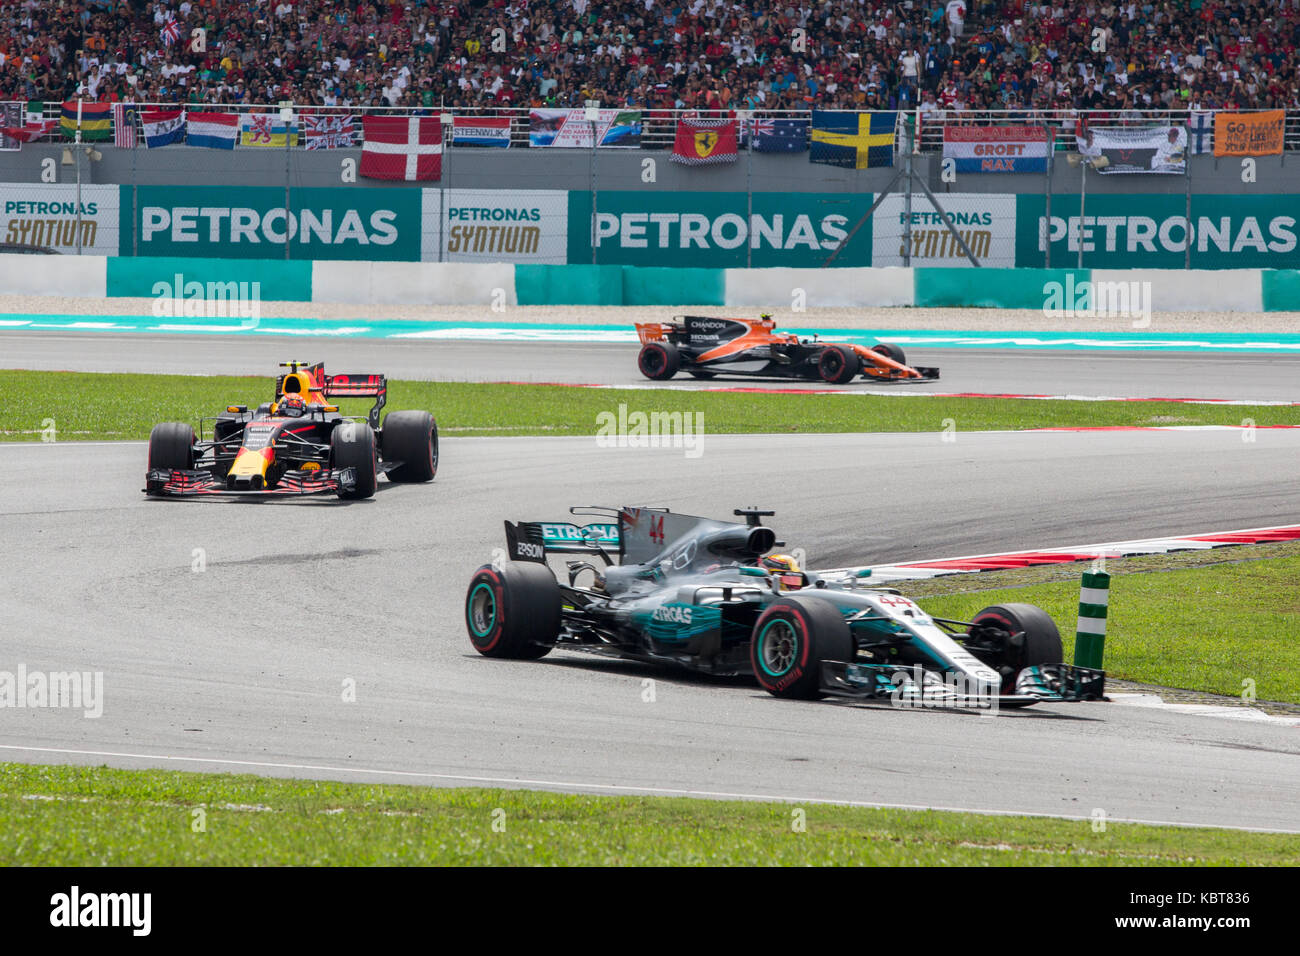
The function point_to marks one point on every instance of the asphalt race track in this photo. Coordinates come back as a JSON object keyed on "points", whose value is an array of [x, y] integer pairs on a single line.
{"points": [[226, 630], [1125, 374]]}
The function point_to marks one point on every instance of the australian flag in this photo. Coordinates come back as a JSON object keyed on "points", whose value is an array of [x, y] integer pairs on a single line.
{"points": [[778, 136]]}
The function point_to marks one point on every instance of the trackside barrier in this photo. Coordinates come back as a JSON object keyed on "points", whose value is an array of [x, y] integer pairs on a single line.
{"points": [[1090, 636], [1052, 292]]}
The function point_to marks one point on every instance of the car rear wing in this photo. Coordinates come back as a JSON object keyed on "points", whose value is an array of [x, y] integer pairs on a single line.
{"points": [[534, 540], [656, 331], [351, 385]]}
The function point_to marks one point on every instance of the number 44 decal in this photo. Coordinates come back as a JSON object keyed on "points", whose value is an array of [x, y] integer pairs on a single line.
{"points": [[657, 529]]}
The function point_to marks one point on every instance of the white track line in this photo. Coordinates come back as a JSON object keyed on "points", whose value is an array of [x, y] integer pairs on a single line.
{"points": [[654, 791]]}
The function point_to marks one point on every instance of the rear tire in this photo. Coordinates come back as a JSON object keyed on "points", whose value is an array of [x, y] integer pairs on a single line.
{"points": [[352, 445], [509, 610], [659, 360], [791, 640], [838, 364], [411, 437], [171, 447], [889, 350], [1042, 642]]}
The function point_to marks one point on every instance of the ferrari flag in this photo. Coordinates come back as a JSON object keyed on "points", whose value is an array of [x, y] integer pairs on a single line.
{"points": [[853, 140], [399, 147], [705, 142]]}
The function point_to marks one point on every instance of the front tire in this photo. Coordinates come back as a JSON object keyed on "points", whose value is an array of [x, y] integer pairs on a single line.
{"points": [[838, 364], [411, 437], [171, 447], [659, 360], [1042, 640], [513, 611], [791, 640], [891, 351], [352, 445]]}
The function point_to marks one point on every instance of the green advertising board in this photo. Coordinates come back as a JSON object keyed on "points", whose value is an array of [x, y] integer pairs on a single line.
{"points": [[1149, 231], [716, 229], [251, 222]]}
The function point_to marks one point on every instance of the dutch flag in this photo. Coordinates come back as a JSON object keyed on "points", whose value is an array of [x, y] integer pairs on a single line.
{"points": [[213, 130]]}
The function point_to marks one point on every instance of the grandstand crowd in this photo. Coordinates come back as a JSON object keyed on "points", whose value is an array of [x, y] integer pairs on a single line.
{"points": [[941, 55]]}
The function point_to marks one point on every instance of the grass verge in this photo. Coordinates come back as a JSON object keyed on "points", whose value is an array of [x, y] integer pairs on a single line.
{"points": [[114, 406], [1202, 620], [79, 816]]}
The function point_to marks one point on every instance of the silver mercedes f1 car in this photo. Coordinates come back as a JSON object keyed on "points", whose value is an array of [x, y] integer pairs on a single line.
{"points": [[652, 585]]}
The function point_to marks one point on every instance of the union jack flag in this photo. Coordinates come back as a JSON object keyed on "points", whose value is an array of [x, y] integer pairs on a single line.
{"points": [[171, 31], [329, 132]]}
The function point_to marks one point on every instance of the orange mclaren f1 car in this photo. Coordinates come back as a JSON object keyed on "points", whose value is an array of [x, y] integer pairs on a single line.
{"points": [[704, 347], [296, 444]]}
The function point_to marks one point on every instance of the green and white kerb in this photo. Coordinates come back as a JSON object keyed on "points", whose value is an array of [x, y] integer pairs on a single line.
{"points": [[1090, 636]]}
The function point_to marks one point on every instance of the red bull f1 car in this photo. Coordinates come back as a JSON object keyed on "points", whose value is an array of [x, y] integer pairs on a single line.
{"points": [[704, 347], [296, 444], [647, 584]]}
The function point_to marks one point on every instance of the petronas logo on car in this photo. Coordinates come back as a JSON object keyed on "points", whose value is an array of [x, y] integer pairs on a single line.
{"points": [[674, 615]]}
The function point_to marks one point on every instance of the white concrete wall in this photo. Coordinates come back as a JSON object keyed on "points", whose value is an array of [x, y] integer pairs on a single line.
{"points": [[780, 287]]}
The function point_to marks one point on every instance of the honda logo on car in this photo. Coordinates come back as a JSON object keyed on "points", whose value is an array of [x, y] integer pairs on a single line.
{"points": [[674, 614]]}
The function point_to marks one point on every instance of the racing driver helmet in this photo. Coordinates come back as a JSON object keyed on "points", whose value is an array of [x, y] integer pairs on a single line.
{"points": [[291, 405], [785, 569]]}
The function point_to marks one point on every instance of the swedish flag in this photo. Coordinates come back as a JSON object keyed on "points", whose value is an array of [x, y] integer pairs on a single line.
{"points": [[853, 140]]}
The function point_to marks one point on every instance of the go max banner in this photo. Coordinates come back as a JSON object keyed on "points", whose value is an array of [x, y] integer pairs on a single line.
{"points": [[251, 222], [1152, 149], [716, 230], [1132, 231], [1249, 134]]}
